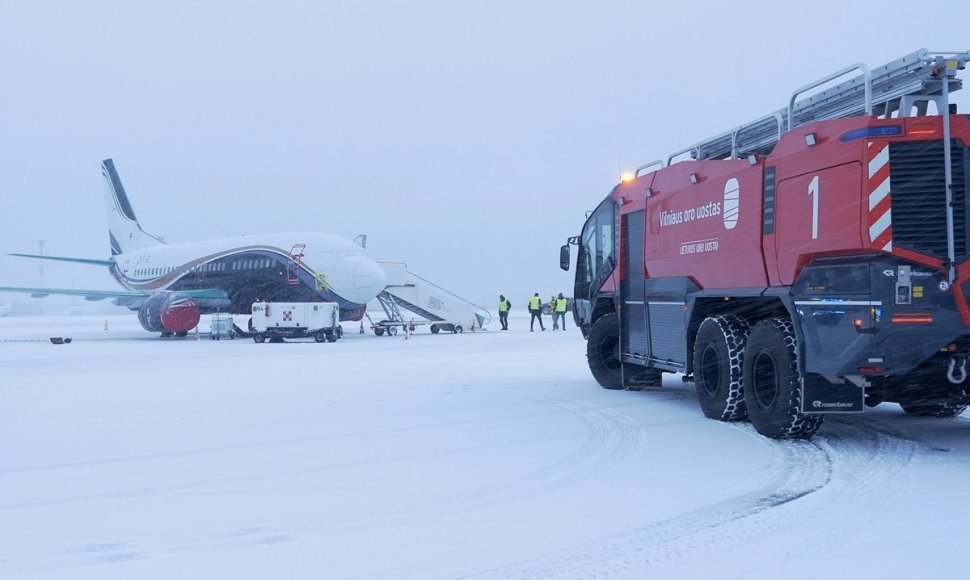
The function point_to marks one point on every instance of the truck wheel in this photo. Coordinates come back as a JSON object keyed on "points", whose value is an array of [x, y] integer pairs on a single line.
{"points": [[938, 410], [340, 331], [603, 352], [332, 336], [718, 352], [391, 330], [458, 329], [319, 336], [259, 338], [772, 383], [435, 329]]}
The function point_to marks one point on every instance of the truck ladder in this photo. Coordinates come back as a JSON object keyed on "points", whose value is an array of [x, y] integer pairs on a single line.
{"points": [[878, 92]]}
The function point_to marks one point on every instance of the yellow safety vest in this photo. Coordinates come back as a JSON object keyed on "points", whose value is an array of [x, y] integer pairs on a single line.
{"points": [[535, 303], [561, 305], [503, 306]]}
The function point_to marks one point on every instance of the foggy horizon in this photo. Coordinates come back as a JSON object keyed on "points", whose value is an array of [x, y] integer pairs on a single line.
{"points": [[465, 139]]}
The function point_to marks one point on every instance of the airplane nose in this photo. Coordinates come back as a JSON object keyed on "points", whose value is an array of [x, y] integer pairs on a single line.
{"points": [[361, 279]]}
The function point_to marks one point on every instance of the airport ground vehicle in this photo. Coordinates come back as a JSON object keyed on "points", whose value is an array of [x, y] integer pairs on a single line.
{"points": [[275, 321], [221, 326], [428, 304], [813, 261]]}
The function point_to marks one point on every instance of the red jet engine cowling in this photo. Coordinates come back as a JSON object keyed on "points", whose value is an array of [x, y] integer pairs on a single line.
{"points": [[169, 313]]}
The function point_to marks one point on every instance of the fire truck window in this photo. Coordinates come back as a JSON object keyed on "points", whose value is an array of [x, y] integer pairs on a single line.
{"points": [[597, 251], [834, 280]]}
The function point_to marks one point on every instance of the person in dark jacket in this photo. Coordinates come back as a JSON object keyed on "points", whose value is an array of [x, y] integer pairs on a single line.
{"points": [[503, 311], [535, 308]]}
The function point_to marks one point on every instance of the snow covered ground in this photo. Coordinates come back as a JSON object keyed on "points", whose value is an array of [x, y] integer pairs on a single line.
{"points": [[485, 455]]}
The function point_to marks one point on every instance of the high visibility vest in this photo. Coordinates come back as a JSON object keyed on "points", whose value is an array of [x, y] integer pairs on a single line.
{"points": [[535, 303], [561, 305], [503, 306]]}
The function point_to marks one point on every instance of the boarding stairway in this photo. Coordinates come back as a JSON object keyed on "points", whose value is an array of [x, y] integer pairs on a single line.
{"points": [[408, 296], [899, 87]]}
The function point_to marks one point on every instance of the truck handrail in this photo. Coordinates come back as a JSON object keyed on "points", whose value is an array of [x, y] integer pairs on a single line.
{"points": [[659, 162], [867, 78]]}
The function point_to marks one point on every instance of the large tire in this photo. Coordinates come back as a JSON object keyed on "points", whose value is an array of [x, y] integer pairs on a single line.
{"points": [[718, 354], [333, 336], [603, 356], [434, 329], [319, 336], [938, 410], [772, 384], [258, 338], [603, 352]]}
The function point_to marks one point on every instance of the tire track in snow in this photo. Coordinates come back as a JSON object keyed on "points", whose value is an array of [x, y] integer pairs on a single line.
{"points": [[820, 484], [610, 438]]}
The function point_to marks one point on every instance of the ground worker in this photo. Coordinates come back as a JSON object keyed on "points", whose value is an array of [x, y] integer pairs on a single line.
{"points": [[535, 308], [552, 311], [503, 311], [559, 314]]}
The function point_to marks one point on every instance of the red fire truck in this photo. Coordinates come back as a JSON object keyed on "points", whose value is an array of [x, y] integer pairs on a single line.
{"points": [[813, 261]]}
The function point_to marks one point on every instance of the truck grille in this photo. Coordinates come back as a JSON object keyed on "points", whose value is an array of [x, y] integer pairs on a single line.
{"points": [[919, 197]]}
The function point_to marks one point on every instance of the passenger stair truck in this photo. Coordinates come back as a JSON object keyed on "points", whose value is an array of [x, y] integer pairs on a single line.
{"points": [[423, 303], [278, 320], [813, 261]]}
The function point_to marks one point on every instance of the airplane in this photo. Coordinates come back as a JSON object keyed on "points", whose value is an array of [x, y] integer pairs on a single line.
{"points": [[171, 285]]}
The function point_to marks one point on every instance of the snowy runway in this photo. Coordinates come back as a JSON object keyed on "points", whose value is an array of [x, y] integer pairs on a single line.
{"points": [[490, 455]]}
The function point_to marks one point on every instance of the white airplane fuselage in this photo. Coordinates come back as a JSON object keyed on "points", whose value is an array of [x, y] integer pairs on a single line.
{"points": [[293, 267]]}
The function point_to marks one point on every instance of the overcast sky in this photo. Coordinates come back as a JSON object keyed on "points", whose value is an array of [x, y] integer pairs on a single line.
{"points": [[465, 138]]}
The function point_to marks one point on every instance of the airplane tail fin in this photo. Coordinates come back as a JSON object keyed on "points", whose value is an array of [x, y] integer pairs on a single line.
{"points": [[124, 232]]}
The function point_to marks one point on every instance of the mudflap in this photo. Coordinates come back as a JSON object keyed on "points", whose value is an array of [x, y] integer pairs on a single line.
{"points": [[821, 396]]}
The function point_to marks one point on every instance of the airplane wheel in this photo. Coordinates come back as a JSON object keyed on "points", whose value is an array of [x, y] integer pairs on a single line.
{"points": [[259, 338], [182, 334]]}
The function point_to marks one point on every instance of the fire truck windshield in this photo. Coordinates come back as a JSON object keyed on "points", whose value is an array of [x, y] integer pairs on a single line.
{"points": [[596, 249]]}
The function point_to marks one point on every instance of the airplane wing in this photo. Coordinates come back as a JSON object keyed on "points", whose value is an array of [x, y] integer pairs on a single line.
{"points": [[89, 261], [206, 297], [121, 297]]}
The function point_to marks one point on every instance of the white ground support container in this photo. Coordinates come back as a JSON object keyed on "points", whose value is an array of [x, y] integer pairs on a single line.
{"points": [[275, 321], [220, 326]]}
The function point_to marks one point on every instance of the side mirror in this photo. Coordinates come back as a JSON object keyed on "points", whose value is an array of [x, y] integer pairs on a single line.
{"points": [[564, 257]]}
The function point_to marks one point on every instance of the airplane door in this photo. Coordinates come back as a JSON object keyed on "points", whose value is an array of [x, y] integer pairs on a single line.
{"points": [[293, 265]]}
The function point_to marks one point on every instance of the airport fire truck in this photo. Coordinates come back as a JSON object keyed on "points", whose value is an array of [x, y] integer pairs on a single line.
{"points": [[813, 261]]}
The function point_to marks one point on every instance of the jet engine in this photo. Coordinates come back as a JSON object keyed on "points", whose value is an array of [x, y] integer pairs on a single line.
{"points": [[169, 313]]}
